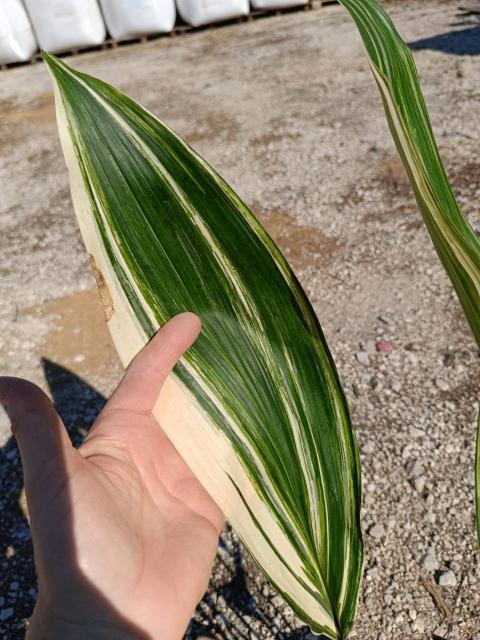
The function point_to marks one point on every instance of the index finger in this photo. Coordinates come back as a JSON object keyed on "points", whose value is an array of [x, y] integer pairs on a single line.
{"points": [[140, 386]]}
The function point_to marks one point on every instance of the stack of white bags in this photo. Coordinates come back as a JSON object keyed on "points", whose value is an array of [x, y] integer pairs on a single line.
{"points": [[130, 18], [17, 40], [61, 25]]}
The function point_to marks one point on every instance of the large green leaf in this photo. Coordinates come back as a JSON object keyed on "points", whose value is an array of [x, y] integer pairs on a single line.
{"points": [[456, 242], [255, 407]]}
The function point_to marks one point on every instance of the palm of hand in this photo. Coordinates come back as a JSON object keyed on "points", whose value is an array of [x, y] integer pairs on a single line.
{"points": [[121, 527]]}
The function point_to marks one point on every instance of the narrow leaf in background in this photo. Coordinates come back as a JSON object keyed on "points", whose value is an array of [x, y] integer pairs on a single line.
{"points": [[456, 242], [255, 407], [394, 69]]}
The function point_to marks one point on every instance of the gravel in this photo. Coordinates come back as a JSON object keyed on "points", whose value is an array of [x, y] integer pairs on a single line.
{"points": [[286, 109]]}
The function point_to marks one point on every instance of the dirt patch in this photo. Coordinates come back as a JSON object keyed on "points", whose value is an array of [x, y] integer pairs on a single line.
{"points": [[213, 125], [393, 176], [271, 137], [466, 179], [16, 120], [40, 110], [79, 339], [303, 246]]}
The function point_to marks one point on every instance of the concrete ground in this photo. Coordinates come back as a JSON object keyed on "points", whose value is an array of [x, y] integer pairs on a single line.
{"points": [[287, 111]]}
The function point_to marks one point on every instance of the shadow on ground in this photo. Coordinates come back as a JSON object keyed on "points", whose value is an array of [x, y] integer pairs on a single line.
{"points": [[224, 612], [460, 42], [78, 405]]}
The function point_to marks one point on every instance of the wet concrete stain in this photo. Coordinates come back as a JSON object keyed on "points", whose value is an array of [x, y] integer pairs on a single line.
{"points": [[79, 339], [302, 245]]}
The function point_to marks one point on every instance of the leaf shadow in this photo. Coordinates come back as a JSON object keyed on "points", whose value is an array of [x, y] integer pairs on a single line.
{"points": [[460, 42]]}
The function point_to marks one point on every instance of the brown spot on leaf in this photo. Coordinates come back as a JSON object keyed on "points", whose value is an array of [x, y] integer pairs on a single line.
{"points": [[105, 296]]}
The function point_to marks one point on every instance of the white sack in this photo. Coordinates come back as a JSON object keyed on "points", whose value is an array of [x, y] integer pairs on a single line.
{"points": [[276, 4], [131, 18], [17, 40], [198, 12], [66, 24]]}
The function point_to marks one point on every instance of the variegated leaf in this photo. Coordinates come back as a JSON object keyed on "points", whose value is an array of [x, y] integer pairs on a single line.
{"points": [[255, 406]]}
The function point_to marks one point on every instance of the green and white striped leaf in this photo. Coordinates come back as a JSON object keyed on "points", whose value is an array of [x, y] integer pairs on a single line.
{"points": [[255, 407], [456, 242], [394, 69]]}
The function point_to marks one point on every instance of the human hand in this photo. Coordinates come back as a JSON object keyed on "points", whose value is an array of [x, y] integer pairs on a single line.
{"points": [[124, 535]]}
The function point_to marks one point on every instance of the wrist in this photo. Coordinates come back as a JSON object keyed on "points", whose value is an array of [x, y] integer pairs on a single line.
{"points": [[46, 624]]}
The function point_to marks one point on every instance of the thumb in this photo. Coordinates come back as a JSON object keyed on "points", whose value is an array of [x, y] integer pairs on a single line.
{"points": [[41, 436]]}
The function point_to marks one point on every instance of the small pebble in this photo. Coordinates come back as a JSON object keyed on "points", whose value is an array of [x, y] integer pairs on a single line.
{"points": [[383, 346], [414, 468], [419, 483], [368, 447], [447, 579], [369, 346], [396, 386], [418, 625], [441, 384], [416, 433], [430, 517], [6, 613], [377, 531], [430, 563], [363, 357], [80, 357]]}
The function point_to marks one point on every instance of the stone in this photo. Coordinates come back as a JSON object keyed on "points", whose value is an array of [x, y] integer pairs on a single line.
{"points": [[416, 433], [6, 613], [384, 346], [377, 531], [418, 483], [369, 346], [363, 357], [414, 468], [430, 563], [442, 384], [418, 625], [447, 579], [368, 447], [430, 517]]}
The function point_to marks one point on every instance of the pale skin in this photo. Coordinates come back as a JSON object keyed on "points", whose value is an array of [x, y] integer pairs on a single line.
{"points": [[124, 535]]}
